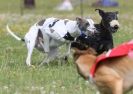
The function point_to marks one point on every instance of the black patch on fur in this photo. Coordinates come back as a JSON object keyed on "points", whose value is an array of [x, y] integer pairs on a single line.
{"points": [[40, 23], [68, 37], [51, 25]]}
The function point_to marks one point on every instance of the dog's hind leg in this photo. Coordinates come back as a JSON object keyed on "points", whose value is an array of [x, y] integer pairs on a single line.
{"points": [[30, 47], [30, 39]]}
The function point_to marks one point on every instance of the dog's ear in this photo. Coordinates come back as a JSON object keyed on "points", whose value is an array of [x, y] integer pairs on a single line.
{"points": [[79, 20], [101, 12]]}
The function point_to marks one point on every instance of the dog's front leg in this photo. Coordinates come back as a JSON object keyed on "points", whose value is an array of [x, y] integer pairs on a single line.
{"points": [[30, 47], [68, 45], [45, 61], [67, 52], [45, 46], [46, 42], [50, 56]]}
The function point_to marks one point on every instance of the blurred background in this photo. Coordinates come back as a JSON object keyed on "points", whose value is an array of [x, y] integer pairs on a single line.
{"points": [[28, 12], [45, 7], [63, 8], [16, 77]]}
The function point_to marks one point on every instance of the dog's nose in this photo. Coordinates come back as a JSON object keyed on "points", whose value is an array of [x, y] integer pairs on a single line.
{"points": [[116, 27]]}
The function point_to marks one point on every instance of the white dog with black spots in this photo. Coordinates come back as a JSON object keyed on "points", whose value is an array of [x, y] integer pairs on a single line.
{"points": [[49, 34]]}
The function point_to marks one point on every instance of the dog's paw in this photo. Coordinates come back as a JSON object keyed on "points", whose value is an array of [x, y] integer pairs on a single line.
{"points": [[32, 66], [44, 63], [66, 58]]}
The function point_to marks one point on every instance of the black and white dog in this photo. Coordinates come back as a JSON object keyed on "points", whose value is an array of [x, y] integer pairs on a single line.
{"points": [[49, 34], [102, 40]]}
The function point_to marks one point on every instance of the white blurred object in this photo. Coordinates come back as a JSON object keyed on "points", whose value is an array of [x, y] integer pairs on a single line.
{"points": [[65, 6]]}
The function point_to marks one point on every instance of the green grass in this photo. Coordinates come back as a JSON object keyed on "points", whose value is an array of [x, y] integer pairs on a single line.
{"points": [[17, 78]]}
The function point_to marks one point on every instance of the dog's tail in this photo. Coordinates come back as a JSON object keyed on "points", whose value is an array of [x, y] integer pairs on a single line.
{"points": [[14, 35]]}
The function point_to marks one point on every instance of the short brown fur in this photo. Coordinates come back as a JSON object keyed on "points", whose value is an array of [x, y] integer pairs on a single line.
{"points": [[112, 76]]}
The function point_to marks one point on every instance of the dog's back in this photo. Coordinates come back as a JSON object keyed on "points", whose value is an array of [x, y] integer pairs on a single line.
{"points": [[115, 70]]}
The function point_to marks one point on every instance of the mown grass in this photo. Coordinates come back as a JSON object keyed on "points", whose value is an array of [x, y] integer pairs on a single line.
{"points": [[17, 78]]}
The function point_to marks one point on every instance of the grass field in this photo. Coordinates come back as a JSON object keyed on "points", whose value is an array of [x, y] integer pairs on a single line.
{"points": [[17, 78]]}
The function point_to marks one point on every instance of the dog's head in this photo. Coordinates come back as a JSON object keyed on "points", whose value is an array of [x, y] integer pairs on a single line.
{"points": [[109, 20], [84, 58], [90, 41], [79, 46], [86, 25]]}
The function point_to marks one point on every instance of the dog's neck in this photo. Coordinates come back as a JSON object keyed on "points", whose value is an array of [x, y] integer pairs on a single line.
{"points": [[103, 30], [90, 54], [100, 27], [73, 29]]}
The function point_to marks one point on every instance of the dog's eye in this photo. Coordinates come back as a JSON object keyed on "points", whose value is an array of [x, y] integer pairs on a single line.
{"points": [[87, 24], [109, 18]]}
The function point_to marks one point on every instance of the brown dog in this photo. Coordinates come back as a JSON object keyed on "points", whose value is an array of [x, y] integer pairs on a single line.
{"points": [[112, 75]]}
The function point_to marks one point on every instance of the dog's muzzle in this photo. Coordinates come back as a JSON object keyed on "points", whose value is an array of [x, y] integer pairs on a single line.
{"points": [[114, 26], [114, 29]]}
